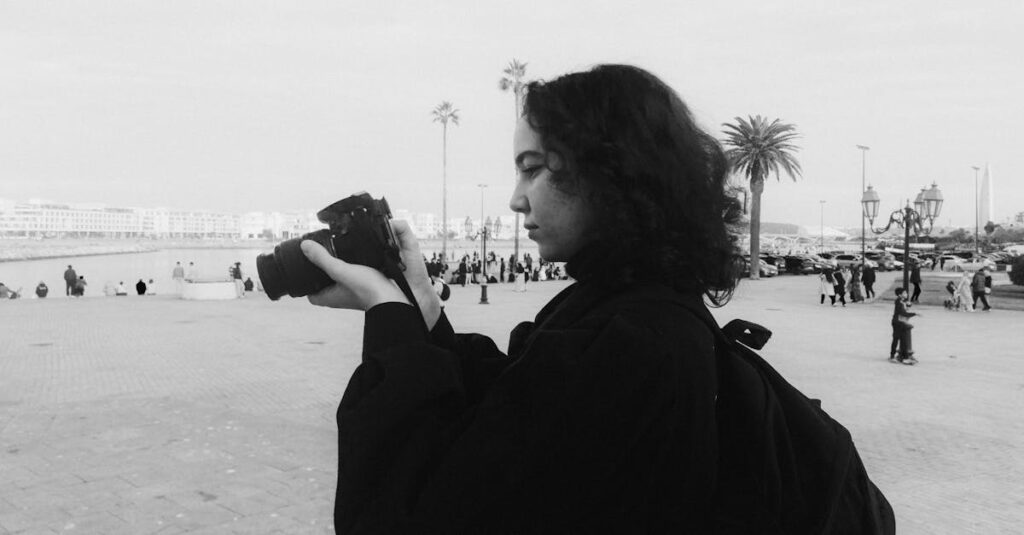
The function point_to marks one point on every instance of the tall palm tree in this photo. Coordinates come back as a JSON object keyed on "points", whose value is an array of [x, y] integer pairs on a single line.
{"points": [[513, 80], [758, 148], [445, 113]]}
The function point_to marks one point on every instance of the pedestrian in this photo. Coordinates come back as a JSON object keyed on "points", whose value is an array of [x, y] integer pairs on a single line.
{"points": [[501, 272], [869, 282], [236, 277], [520, 277], [901, 349], [79, 289], [915, 279], [140, 287], [978, 290], [964, 292], [855, 293], [827, 286], [463, 270], [841, 277], [602, 416], [70, 280], [42, 290], [192, 273], [178, 278]]}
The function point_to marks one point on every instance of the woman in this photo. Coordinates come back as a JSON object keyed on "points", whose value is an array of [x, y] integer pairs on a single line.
{"points": [[963, 291], [601, 416], [840, 278], [855, 293], [827, 286]]}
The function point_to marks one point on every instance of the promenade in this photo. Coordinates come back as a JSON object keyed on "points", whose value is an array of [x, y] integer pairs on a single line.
{"points": [[144, 415]]}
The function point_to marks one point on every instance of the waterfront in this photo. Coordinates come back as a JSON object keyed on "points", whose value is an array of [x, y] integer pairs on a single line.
{"points": [[135, 262]]}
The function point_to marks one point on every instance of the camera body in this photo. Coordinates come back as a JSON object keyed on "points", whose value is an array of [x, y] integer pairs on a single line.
{"points": [[359, 232]]}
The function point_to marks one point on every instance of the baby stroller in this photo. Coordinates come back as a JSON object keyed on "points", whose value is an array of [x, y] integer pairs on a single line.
{"points": [[953, 301]]}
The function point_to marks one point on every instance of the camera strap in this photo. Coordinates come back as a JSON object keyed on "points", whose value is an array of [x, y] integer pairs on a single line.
{"points": [[393, 271]]}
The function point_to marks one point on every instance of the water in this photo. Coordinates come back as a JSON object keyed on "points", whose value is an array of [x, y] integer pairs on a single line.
{"points": [[101, 269]]}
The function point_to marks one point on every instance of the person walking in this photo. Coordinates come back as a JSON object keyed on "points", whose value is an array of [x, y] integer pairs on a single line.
{"points": [[855, 294], [915, 279], [963, 291], [868, 278], [901, 328], [840, 278], [978, 290], [236, 277], [827, 284], [178, 278], [70, 280]]}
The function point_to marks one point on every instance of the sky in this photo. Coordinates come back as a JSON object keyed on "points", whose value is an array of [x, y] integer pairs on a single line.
{"points": [[245, 106]]}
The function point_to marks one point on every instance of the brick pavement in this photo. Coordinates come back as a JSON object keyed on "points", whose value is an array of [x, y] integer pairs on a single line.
{"points": [[155, 415]]}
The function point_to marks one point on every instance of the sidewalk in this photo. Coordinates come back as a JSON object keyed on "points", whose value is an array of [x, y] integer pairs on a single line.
{"points": [[156, 415]]}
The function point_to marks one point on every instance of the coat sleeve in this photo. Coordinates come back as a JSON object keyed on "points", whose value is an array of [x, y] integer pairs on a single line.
{"points": [[599, 428]]}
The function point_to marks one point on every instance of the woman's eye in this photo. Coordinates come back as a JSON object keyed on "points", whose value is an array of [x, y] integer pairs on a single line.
{"points": [[530, 172]]}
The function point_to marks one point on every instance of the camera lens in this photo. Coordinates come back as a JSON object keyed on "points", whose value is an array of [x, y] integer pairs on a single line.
{"points": [[288, 271]]}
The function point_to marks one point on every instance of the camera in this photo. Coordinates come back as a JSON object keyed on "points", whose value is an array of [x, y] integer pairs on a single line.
{"points": [[358, 232]]}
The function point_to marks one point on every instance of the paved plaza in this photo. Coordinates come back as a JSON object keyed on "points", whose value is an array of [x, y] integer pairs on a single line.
{"points": [[141, 415]]}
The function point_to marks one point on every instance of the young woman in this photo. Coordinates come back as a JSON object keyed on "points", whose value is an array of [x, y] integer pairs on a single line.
{"points": [[601, 415]]}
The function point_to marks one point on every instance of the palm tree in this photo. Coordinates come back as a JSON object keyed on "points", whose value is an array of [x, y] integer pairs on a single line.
{"points": [[758, 148], [513, 80], [445, 113]]}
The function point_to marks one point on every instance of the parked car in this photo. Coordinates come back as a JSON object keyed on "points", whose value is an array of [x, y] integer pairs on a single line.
{"points": [[767, 270], [850, 260], [776, 260], [801, 265], [965, 262], [885, 260], [828, 258]]}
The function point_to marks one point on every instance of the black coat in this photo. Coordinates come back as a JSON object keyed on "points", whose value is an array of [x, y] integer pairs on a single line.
{"points": [[600, 419]]}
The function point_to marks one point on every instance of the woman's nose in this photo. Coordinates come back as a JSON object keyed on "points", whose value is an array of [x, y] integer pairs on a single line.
{"points": [[518, 202]]}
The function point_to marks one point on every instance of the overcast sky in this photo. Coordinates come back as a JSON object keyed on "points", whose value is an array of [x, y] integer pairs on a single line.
{"points": [[244, 106]]}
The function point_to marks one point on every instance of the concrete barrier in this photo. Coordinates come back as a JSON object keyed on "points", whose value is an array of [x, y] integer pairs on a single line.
{"points": [[208, 290]]}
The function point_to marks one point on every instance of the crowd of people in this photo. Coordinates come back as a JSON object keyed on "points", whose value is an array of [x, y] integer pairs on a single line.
{"points": [[470, 270], [75, 284]]}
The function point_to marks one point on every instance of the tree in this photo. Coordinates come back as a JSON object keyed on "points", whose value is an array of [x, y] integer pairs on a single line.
{"points": [[445, 113], [758, 148], [513, 80]]}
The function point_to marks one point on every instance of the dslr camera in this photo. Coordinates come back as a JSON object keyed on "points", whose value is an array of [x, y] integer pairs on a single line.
{"points": [[358, 232]]}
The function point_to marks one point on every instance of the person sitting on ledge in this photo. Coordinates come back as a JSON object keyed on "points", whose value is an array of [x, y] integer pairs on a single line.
{"points": [[140, 287], [120, 289], [42, 290]]}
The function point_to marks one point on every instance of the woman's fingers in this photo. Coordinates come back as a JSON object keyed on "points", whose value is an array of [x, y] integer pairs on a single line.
{"points": [[318, 255]]}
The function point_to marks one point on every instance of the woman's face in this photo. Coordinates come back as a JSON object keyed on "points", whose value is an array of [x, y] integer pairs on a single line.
{"points": [[561, 223]]}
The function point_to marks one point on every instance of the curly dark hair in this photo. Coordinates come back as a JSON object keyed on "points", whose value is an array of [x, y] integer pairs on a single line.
{"points": [[657, 180]]}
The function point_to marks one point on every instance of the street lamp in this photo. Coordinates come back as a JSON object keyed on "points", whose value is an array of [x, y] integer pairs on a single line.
{"points": [[977, 247], [863, 173], [906, 218], [483, 248], [821, 228]]}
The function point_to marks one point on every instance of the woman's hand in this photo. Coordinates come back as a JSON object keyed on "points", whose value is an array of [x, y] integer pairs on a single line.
{"points": [[362, 288]]}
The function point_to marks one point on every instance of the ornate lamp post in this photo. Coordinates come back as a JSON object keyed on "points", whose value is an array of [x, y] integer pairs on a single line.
{"points": [[928, 205], [483, 248], [863, 173], [977, 245], [821, 228]]}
